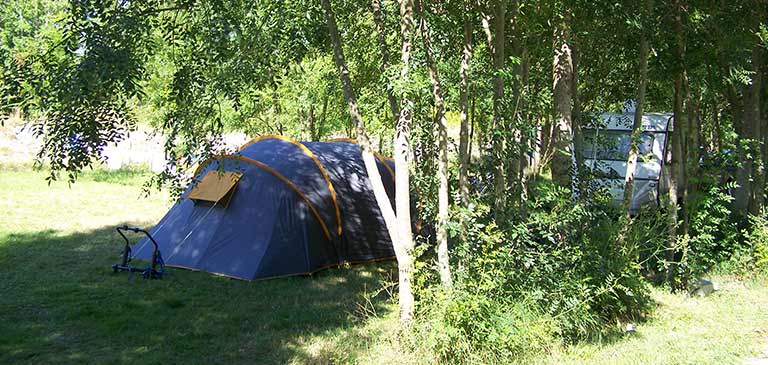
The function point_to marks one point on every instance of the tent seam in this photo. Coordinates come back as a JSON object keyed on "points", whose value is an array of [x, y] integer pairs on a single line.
{"points": [[286, 181], [317, 162]]}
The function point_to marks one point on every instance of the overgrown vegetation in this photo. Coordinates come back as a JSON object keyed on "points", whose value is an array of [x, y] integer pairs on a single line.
{"points": [[556, 276], [757, 237]]}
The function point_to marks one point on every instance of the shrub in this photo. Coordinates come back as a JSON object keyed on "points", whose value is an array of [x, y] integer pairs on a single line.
{"points": [[524, 285], [757, 237], [714, 236], [649, 231], [471, 328], [717, 239]]}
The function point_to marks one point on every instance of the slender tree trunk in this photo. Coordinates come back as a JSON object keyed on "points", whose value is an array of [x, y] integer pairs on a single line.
{"points": [[402, 178], [642, 82], [764, 129], [497, 139], [693, 155], [442, 158], [677, 162], [578, 140], [466, 58], [676, 172], [381, 142], [717, 132], [764, 133], [276, 109], [402, 239], [562, 76], [312, 124], [378, 18], [323, 113], [525, 140], [751, 177], [545, 145], [749, 197], [471, 128], [513, 139], [486, 23]]}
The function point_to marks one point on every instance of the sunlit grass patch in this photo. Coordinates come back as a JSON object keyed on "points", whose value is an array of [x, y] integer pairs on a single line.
{"points": [[724, 328], [60, 303]]}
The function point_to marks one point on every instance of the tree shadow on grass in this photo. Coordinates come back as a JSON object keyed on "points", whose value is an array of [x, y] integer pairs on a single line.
{"points": [[60, 303]]}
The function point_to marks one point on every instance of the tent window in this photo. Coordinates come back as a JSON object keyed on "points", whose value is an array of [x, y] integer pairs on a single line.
{"points": [[614, 145], [216, 188]]}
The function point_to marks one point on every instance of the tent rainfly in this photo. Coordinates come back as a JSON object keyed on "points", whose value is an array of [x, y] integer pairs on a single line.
{"points": [[277, 207]]}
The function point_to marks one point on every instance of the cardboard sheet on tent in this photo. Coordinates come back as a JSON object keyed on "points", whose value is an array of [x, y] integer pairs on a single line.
{"points": [[216, 187]]}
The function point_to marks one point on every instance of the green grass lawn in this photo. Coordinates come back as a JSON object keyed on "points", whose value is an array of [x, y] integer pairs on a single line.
{"points": [[727, 327], [60, 303]]}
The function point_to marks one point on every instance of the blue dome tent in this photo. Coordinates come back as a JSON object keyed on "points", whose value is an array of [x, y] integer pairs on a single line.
{"points": [[277, 207]]}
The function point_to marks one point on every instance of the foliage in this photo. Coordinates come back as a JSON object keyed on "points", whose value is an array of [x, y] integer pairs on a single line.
{"points": [[27, 32], [461, 327], [715, 241], [649, 231], [714, 234], [757, 238], [557, 275]]}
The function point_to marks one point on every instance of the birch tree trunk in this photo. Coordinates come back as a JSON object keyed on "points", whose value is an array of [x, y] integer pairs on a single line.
{"points": [[402, 178], [525, 141], [466, 58], [562, 76], [499, 41], [442, 153], [576, 118], [642, 82], [402, 243]]}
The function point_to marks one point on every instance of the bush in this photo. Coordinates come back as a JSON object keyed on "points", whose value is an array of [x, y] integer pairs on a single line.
{"points": [[557, 275], [714, 237], [757, 237], [649, 230], [471, 328], [717, 240]]}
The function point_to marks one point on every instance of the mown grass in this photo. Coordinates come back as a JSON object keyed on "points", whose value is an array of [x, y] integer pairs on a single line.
{"points": [[60, 303], [727, 327]]}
